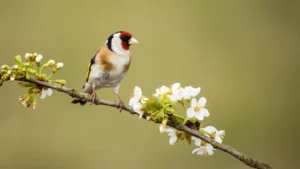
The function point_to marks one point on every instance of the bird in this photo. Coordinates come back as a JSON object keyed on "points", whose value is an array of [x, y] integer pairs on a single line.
{"points": [[109, 66]]}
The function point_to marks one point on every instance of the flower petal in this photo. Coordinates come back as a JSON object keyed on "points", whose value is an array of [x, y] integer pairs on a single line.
{"points": [[137, 92], [190, 112], [173, 98], [43, 95], [195, 91], [132, 101], [210, 129], [218, 139], [199, 115], [49, 92], [162, 128], [196, 150], [210, 149], [170, 131], [175, 86], [173, 140], [204, 112], [221, 133], [202, 102], [197, 141], [194, 102]]}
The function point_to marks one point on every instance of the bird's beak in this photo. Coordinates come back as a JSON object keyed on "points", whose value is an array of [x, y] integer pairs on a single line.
{"points": [[133, 41]]}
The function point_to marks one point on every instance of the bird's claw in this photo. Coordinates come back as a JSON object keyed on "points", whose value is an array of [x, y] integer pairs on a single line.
{"points": [[94, 97], [120, 105]]}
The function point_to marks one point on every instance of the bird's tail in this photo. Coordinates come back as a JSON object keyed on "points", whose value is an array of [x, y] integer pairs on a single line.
{"points": [[80, 101]]}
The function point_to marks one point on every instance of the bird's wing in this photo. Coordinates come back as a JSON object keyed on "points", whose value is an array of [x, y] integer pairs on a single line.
{"points": [[90, 66]]}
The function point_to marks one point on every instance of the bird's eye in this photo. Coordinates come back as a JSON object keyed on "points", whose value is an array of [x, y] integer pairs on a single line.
{"points": [[124, 38]]}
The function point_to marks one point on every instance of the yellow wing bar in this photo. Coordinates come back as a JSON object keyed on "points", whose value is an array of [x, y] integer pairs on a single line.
{"points": [[89, 67]]}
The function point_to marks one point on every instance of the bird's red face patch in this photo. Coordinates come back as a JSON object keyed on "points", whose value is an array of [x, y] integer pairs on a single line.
{"points": [[125, 37]]}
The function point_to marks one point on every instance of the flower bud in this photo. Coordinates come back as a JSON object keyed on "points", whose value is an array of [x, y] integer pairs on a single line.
{"points": [[27, 56], [21, 98], [38, 58], [61, 82], [59, 65], [5, 67], [16, 67], [34, 104], [12, 78], [18, 59], [49, 63], [31, 71]]}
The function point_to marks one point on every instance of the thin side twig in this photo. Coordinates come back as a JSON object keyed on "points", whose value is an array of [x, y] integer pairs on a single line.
{"points": [[171, 123]]}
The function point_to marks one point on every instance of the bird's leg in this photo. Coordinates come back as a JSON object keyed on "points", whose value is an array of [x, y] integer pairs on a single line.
{"points": [[121, 103], [94, 94]]}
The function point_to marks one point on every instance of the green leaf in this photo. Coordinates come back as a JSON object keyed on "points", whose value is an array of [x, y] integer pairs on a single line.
{"points": [[193, 119], [27, 76], [31, 71], [169, 110], [18, 60]]}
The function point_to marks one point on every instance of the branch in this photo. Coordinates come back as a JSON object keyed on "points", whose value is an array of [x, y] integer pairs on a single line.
{"points": [[172, 123]]}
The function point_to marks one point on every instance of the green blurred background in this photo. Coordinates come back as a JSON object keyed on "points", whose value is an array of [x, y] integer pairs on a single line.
{"points": [[243, 54]]}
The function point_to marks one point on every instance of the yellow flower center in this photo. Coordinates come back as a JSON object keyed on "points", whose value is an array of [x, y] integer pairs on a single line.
{"points": [[203, 143], [197, 109], [213, 135]]}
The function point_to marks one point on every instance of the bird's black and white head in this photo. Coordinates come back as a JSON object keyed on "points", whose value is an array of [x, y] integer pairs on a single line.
{"points": [[120, 42]]}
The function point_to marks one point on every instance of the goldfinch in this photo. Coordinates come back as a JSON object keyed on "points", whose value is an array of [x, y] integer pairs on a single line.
{"points": [[109, 66]]}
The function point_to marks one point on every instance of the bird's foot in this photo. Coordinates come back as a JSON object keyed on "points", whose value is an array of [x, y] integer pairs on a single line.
{"points": [[94, 97], [120, 105]]}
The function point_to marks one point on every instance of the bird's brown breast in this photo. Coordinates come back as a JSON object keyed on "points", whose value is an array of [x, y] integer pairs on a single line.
{"points": [[104, 58], [126, 67]]}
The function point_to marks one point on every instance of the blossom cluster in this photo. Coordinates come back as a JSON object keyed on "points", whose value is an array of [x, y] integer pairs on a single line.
{"points": [[31, 67], [161, 105]]}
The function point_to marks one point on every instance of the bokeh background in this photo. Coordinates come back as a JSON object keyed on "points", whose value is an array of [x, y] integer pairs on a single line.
{"points": [[243, 54]]}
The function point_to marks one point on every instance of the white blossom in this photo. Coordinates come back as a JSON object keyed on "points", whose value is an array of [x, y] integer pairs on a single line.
{"points": [[177, 92], [162, 128], [214, 133], [136, 102], [197, 109], [9, 72], [59, 65], [137, 108], [173, 136], [27, 56], [15, 67], [162, 90], [190, 92], [203, 148], [39, 58], [45, 93], [137, 94], [51, 62]]}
